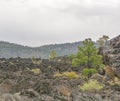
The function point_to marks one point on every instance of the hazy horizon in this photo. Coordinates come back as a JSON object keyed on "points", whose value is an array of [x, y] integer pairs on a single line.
{"points": [[42, 22], [48, 43]]}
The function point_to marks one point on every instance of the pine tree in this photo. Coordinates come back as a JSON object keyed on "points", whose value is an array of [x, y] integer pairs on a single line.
{"points": [[103, 40], [52, 54], [87, 55], [105, 37]]}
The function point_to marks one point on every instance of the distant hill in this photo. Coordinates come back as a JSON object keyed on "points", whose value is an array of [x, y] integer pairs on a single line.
{"points": [[8, 50]]}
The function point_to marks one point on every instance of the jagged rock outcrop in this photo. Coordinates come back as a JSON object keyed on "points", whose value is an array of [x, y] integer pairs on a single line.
{"points": [[115, 44], [111, 52]]}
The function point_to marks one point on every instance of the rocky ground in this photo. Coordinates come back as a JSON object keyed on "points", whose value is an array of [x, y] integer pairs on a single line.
{"points": [[35, 80], [19, 83]]}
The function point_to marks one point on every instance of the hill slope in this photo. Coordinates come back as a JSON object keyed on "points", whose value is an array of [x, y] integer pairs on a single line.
{"points": [[8, 50]]}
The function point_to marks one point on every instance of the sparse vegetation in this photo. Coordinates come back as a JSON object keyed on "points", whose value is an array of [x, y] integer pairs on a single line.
{"points": [[53, 54], [100, 41], [92, 85], [36, 71], [11, 63], [87, 72], [71, 74], [103, 40], [116, 82], [35, 61]]}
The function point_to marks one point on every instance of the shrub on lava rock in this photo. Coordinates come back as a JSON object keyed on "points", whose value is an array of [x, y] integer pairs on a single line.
{"points": [[36, 70], [71, 74], [87, 72], [92, 85]]}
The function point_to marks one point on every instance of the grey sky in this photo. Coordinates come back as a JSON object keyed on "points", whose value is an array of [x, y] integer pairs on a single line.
{"points": [[39, 22]]}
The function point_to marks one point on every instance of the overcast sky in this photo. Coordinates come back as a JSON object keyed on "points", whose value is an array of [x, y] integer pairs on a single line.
{"points": [[40, 22]]}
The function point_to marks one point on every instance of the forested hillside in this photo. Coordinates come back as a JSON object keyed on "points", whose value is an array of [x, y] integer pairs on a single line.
{"points": [[8, 50]]}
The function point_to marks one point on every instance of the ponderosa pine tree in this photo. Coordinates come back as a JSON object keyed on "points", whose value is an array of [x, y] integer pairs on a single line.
{"points": [[87, 55], [103, 40]]}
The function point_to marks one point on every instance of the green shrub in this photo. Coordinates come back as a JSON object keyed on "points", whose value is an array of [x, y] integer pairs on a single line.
{"points": [[11, 63], [89, 71], [36, 70], [35, 61], [92, 85], [116, 81], [53, 54], [71, 74]]}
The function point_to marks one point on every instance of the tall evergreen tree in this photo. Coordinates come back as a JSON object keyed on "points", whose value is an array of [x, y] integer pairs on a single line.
{"points": [[103, 40], [105, 37], [52, 54], [87, 55]]}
